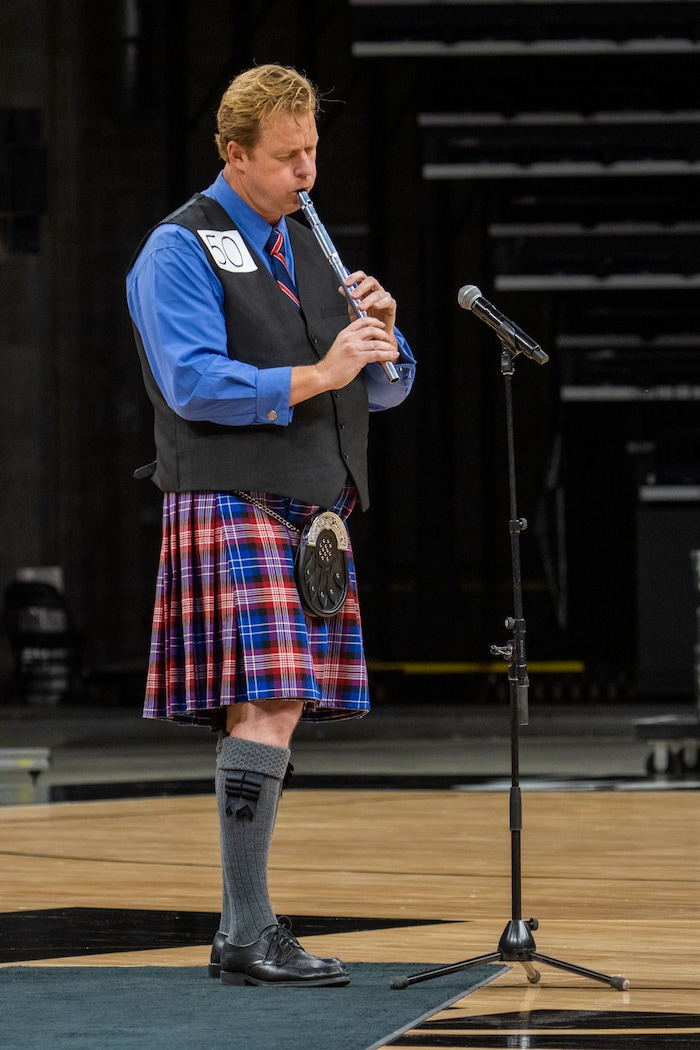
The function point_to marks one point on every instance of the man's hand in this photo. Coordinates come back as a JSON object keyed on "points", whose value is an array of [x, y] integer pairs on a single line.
{"points": [[364, 341], [372, 298]]}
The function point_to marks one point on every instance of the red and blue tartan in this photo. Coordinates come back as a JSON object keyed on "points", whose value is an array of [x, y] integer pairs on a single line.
{"points": [[228, 626]]}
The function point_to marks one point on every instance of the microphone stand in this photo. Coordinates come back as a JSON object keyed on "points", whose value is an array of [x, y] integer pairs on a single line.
{"points": [[517, 943]]}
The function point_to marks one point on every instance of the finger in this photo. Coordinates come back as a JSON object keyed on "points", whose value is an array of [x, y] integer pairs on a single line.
{"points": [[376, 332], [361, 286], [367, 324], [355, 278]]}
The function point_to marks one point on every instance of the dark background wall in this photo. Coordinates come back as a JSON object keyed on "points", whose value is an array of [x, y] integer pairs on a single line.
{"points": [[106, 123]]}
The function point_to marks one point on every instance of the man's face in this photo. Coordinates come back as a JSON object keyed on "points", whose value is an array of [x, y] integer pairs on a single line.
{"points": [[282, 162]]}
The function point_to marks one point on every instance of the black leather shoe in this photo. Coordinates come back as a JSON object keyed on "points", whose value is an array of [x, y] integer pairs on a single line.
{"points": [[277, 958], [214, 967]]}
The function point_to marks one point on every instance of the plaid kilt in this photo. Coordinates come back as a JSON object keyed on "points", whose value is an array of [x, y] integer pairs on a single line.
{"points": [[228, 626]]}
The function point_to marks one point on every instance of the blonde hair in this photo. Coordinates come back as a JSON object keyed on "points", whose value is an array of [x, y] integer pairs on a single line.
{"points": [[256, 95]]}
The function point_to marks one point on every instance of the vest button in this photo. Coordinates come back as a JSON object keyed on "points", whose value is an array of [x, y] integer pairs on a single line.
{"points": [[272, 415]]}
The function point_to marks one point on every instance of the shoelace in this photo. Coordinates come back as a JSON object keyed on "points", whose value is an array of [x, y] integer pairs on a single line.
{"points": [[282, 943]]}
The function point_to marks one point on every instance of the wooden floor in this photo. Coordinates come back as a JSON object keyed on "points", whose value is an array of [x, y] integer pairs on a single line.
{"points": [[613, 878]]}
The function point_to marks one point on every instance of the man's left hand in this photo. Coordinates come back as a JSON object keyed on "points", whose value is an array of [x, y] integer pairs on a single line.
{"points": [[372, 298]]}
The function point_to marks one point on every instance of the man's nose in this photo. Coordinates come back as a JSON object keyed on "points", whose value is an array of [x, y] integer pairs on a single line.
{"points": [[307, 165]]}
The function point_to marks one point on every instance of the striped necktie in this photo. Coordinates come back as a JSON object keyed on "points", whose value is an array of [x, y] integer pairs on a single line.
{"points": [[275, 248]]}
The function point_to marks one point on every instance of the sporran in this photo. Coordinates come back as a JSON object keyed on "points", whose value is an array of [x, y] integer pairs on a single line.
{"points": [[321, 565]]}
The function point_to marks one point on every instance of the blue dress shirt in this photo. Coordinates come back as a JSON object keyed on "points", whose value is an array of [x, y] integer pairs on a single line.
{"points": [[176, 302]]}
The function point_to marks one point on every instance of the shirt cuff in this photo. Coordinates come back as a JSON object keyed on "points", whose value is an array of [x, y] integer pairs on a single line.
{"points": [[273, 393]]}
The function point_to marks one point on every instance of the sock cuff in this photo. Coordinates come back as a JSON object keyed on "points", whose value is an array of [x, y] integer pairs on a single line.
{"points": [[236, 752]]}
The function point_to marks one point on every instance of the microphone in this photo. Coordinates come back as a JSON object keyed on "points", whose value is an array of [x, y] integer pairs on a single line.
{"points": [[470, 298]]}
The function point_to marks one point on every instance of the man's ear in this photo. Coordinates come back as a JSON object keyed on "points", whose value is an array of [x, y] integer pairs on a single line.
{"points": [[234, 153]]}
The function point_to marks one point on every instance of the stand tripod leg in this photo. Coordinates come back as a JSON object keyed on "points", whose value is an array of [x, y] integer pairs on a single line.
{"points": [[443, 971], [620, 984]]}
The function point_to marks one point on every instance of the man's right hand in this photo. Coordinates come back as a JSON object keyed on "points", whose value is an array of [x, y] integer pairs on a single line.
{"points": [[362, 342]]}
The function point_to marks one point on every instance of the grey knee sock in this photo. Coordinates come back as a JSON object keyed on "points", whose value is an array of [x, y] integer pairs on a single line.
{"points": [[248, 783]]}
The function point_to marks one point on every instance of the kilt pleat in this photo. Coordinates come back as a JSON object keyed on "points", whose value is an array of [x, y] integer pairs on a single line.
{"points": [[228, 626]]}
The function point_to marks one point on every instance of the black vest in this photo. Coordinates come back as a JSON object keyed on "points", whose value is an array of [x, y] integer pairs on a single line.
{"points": [[326, 440]]}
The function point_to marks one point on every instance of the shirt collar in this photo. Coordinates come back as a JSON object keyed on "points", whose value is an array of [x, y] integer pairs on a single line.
{"points": [[254, 228]]}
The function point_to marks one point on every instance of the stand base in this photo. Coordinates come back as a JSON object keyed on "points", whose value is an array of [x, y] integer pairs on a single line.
{"points": [[516, 945]]}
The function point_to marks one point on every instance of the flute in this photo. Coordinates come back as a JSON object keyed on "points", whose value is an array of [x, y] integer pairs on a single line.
{"points": [[341, 272]]}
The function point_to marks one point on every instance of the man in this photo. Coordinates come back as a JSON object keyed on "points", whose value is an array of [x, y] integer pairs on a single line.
{"points": [[261, 380]]}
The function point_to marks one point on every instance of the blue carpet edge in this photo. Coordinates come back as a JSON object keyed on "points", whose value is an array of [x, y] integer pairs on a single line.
{"points": [[498, 969]]}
